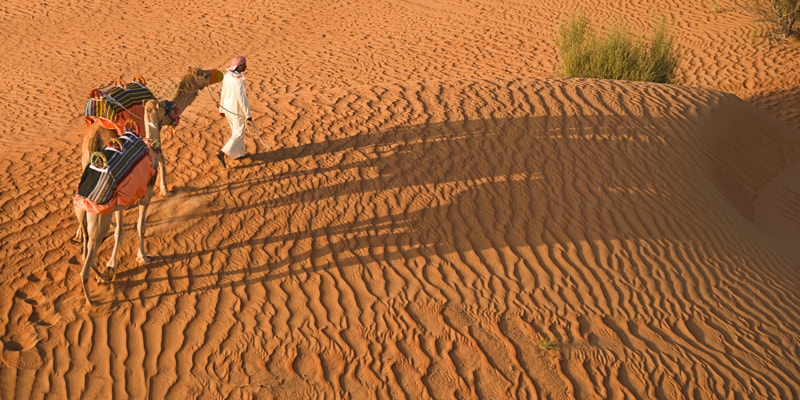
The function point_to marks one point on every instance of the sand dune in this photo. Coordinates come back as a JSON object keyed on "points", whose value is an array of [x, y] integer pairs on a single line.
{"points": [[438, 214]]}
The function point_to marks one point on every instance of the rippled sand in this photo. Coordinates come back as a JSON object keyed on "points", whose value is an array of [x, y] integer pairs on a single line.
{"points": [[437, 213]]}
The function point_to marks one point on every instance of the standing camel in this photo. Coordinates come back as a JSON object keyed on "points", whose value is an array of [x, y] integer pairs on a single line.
{"points": [[191, 84], [93, 223], [92, 226], [169, 112]]}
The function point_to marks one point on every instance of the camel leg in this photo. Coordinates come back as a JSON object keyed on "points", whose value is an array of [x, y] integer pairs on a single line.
{"points": [[85, 273], [141, 227], [119, 232], [80, 233], [96, 228], [162, 175]]}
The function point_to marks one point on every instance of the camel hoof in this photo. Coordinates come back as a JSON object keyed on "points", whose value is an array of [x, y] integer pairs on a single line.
{"points": [[107, 277], [143, 259], [75, 240]]}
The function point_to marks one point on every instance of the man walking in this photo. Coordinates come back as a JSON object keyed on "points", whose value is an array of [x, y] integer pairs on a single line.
{"points": [[235, 107]]}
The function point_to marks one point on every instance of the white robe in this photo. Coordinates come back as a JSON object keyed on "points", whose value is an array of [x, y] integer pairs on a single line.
{"points": [[233, 102]]}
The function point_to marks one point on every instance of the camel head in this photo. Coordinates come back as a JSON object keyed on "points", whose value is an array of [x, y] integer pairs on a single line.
{"points": [[197, 79]]}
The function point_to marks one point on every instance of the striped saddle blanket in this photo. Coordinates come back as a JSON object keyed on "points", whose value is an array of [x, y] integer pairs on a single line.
{"points": [[98, 184], [116, 99]]}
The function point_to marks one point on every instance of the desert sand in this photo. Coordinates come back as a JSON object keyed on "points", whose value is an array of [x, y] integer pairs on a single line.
{"points": [[438, 214]]}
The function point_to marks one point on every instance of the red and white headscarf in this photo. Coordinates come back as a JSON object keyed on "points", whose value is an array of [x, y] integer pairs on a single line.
{"points": [[237, 61]]}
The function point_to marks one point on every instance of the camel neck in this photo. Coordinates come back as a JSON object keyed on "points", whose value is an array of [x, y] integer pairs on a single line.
{"points": [[183, 99]]}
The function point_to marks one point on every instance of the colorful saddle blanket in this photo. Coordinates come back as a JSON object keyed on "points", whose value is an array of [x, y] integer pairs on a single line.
{"points": [[116, 99], [98, 185], [116, 104]]}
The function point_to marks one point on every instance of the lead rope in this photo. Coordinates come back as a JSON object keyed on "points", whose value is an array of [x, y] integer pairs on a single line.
{"points": [[250, 131]]}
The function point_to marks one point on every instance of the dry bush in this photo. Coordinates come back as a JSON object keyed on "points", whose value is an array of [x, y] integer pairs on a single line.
{"points": [[782, 15], [617, 54]]}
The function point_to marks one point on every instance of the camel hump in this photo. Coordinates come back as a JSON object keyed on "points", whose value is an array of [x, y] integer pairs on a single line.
{"points": [[113, 106]]}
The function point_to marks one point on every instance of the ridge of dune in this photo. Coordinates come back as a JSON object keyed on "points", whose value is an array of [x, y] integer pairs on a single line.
{"points": [[435, 215]]}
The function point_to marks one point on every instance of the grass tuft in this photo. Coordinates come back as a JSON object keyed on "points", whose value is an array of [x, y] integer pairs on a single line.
{"points": [[616, 54], [548, 344]]}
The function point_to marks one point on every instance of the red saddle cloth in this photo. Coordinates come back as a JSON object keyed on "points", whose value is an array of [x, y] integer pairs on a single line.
{"points": [[114, 105], [128, 191], [134, 112], [122, 181]]}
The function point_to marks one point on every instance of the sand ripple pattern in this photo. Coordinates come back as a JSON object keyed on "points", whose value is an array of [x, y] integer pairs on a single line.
{"points": [[430, 240], [436, 215]]}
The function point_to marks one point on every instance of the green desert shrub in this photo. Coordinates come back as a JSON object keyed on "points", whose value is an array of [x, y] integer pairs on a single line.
{"points": [[617, 54], [783, 15]]}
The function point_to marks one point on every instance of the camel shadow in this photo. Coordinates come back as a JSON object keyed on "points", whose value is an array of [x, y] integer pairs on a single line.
{"points": [[459, 187]]}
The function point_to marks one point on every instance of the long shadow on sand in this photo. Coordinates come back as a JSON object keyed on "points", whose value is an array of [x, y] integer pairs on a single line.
{"points": [[475, 185], [782, 104]]}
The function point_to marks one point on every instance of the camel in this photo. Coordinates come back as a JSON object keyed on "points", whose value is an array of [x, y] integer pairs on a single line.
{"points": [[93, 227], [190, 85], [97, 136]]}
